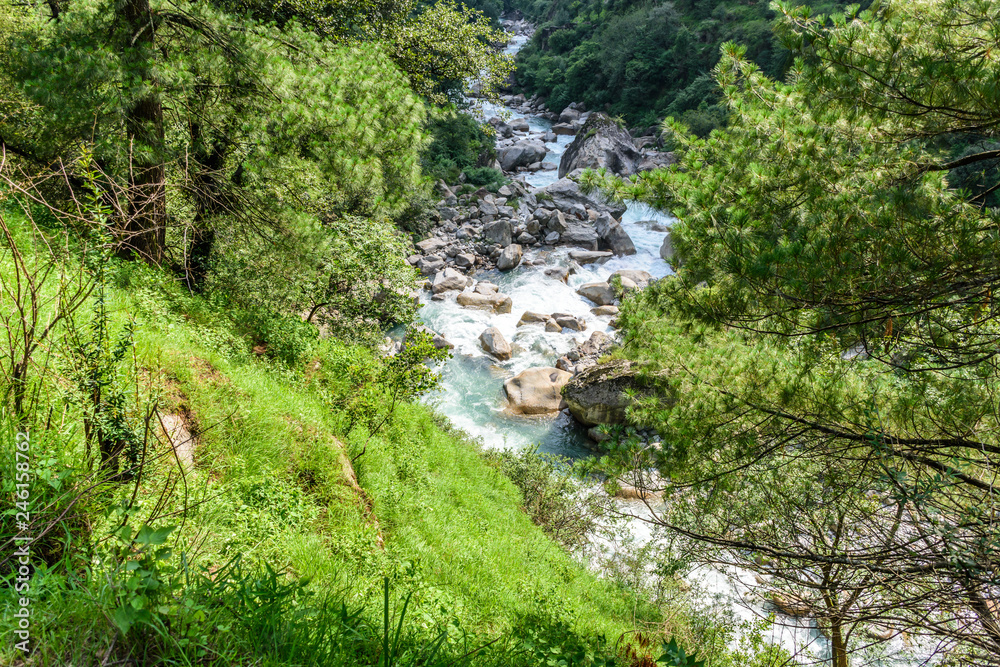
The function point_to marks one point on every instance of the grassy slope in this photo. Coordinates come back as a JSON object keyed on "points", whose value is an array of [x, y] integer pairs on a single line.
{"points": [[269, 484]]}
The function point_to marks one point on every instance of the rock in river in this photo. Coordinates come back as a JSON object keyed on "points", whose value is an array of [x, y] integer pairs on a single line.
{"points": [[601, 144], [449, 279], [536, 391], [598, 394], [498, 232], [493, 342], [565, 195], [510, 257], [599, 293], [521, 154], [499, 303], [590, 256]]}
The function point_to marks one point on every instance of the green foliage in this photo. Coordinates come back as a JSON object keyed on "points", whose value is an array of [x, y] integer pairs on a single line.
{"points": [[458, 143], [348, 275], [824, 352], [441, 46], [368, 388], [644, 61], [674, 656], [552, 497], [487, 177]]}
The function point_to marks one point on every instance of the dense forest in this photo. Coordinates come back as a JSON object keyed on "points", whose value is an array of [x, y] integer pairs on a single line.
{"points": [[645, 61], [222, 223]]}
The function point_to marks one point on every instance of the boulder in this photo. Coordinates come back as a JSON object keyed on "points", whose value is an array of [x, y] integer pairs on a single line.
{"points": [[529, 317], [510, 257], [579, 233], [629, 492], [565, 193], [599, 293], [552, 326], [564, 128], [590, 256], [493, 342], [598, 344], [598, 394], [430, 265], [613, 236], [667, 251], [608, 311], [569, 321], [484, 287], [449, 279], [569, 115], [521, 154], [465, 259], [791, 604], [520, 125], [558, 272], [601, 144], [498, 232], [431, 245], [537, 391], [556, 222], [640, 278], [498, 303], [488, 208], [552, 238]]}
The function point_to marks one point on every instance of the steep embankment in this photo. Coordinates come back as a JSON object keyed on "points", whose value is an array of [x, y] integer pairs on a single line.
{"points": [[262, 474]]}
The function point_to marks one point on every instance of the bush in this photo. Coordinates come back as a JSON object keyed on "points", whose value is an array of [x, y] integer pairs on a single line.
{"points": [[553, 498], [487, 177], [458, 143]]}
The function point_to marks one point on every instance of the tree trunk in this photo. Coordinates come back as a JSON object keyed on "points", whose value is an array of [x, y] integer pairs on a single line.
{"points": [[144, 231], [838, 644], [210, 159]]}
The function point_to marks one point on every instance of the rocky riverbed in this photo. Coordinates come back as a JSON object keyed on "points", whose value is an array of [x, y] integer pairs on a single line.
{"points": [[523, 285]]}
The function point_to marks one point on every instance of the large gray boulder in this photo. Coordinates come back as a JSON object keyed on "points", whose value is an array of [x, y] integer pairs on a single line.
{"points": [[613, 236], [431, 245], [447, 280], [601, 144], [493, 342], [580, 233], [590, 256], [521, 154], [565, 195], [598, 395], [499, 232], [639, 277], [537, 391], [510, 257]]}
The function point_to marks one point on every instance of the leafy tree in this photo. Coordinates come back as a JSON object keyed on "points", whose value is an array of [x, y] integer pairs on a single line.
{"points": [[256, 123], [828, 413], [441, 46]]}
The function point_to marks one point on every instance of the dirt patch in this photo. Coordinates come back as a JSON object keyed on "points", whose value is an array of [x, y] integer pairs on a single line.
{"points": [[206, 372], [178, 434]]}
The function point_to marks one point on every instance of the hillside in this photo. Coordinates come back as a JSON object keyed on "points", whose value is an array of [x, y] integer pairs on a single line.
{"points": [[645, 61]]}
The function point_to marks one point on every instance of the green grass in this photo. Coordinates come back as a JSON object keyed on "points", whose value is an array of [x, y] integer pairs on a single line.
{"points": [[269, 488]]}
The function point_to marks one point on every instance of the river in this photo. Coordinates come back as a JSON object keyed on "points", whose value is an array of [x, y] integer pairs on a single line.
{"points": [[472, 394]]}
